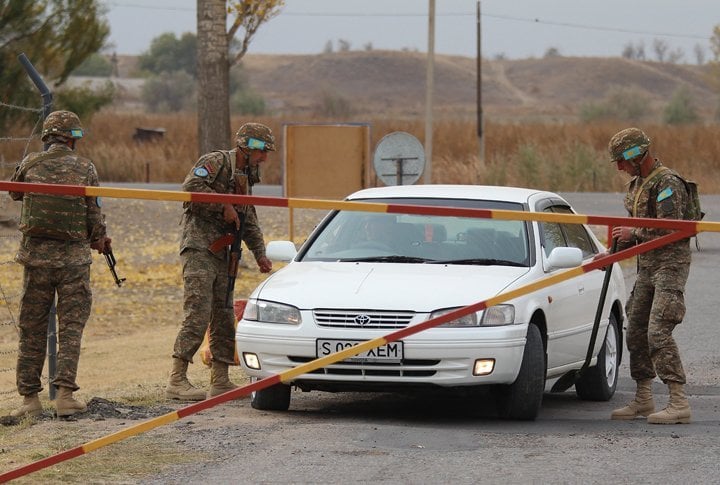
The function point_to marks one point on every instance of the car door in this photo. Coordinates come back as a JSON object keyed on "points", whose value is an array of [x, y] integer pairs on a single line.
{"points": [[573, 303]]}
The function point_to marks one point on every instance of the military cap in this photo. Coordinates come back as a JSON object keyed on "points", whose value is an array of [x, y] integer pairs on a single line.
{"points": [[255, 136], [63, 123], [628, 144]]}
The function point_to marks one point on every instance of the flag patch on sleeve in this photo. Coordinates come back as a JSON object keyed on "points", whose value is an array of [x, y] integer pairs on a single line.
{"points": [[664, 194]]}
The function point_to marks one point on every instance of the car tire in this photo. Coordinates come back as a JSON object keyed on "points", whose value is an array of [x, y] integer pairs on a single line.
{"points": [[273, 398], [521, 400], [598, 383]]}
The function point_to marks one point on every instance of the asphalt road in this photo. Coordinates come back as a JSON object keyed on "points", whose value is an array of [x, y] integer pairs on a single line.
{"points": [[392, 438]]}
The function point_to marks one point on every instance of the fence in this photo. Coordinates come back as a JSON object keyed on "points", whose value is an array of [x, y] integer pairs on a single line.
{"points": [[11, 272]]}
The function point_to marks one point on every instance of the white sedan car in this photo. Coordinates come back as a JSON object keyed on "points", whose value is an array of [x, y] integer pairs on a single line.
{"points": [[361, 275]]}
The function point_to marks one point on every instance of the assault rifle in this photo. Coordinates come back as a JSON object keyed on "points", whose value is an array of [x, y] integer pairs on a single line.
{"points": [[234, 257], [110, 258]]}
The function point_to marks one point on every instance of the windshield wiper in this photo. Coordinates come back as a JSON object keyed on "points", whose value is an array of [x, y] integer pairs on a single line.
{"points": [[387, 259], [481, 261]]}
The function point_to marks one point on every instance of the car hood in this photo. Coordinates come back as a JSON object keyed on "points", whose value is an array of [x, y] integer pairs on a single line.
{"points": [[418, 287]]}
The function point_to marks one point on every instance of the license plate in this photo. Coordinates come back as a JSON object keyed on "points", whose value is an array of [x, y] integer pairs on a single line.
{"points": [[390, 352]]}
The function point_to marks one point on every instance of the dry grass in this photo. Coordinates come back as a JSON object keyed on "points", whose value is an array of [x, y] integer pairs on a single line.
{"points": [[555, 156], [127, 344]]}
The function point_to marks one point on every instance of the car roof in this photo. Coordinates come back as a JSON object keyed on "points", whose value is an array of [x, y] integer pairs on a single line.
{"points": [[471, 192]]}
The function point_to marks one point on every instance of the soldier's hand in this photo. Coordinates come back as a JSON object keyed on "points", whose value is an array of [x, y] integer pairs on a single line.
{"points": [[102, 245], [622, 233], [264, 264], [230, 215]]}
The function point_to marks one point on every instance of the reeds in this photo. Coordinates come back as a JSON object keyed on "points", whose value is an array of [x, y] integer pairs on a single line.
{"points": [[554, 156]]}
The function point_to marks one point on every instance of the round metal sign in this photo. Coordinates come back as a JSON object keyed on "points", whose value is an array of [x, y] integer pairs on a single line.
{"points": [[399, 159]]}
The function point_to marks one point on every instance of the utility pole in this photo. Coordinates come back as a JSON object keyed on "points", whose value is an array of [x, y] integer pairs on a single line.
{"points": [[429, 86], [480, 119]]}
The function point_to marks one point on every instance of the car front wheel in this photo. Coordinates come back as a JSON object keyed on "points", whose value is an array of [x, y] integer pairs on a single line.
{"points": [[598, 383], [522, 398], [273, 398]]}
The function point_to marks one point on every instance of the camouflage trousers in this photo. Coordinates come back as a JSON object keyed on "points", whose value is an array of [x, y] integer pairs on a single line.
{"points": [[205, 286], [656, 305], [74, 300]]}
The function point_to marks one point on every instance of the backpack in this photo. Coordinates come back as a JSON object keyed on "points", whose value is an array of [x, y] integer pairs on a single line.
{"points": [[693, 211]]}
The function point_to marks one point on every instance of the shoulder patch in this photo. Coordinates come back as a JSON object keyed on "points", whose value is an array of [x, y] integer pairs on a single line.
{"points": [[664, 194], [201, 172]]}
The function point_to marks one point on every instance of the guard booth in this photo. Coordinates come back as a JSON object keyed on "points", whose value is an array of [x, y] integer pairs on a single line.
{"points": [[325, 161]]}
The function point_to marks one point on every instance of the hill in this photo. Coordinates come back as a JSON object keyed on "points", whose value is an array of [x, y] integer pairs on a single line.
{"points": [[393, 82]]}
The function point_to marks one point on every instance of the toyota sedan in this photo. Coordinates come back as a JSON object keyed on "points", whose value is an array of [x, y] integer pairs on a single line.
{"points": [[363, 274]]}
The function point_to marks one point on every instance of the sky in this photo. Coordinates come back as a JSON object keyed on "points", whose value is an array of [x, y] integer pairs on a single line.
{"points": [[514, 29]]}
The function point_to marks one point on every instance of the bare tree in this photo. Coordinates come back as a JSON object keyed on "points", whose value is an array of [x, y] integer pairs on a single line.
{"points": [[660, 47], [632, 51], [214, 60], [343, 45], [675, 56], [699, 52]]}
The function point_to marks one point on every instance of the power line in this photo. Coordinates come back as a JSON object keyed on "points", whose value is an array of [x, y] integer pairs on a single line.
{"points": [[446, 14]]}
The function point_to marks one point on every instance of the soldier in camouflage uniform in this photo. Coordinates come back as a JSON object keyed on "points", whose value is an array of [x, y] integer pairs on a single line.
{"points": [[205, 266], [59, 232], [657, 302]]}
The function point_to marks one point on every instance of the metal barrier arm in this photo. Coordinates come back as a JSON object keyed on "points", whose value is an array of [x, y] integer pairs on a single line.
{"points": [[90, 191], [289, 375]]}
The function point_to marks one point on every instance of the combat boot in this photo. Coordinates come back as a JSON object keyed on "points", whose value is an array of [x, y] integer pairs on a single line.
{"points": [[31, 407], [66, 404], [677, 410], [179, 387], [642, 405], [219, 380]]}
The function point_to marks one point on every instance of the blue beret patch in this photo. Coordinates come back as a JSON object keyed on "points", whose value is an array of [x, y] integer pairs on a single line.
{"points": [[664, 194], [201, 172]]}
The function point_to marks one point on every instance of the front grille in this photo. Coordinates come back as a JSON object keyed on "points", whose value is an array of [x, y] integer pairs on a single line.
{"points": [[362, 319], [407, 368]]}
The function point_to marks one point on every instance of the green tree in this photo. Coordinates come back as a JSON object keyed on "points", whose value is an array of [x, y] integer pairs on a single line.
{"points": [[243, 100], [169, 54], [169, 92], [620, 103], [215, 44], [680, 109], [56, 36], [97, 65], [84, 100]]}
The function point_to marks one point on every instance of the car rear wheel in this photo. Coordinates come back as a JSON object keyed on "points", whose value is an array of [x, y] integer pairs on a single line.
{"points": [[522, 398], [273, 398], [598, 383]]}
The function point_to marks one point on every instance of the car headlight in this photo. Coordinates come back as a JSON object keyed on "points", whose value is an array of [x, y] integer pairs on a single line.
{"points": [[470, 320], [271, 312], [498, 315], [493, 316]]}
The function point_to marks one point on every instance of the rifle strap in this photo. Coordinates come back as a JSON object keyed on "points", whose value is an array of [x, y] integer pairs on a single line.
{"points": [[221, 243], [654, 175]]}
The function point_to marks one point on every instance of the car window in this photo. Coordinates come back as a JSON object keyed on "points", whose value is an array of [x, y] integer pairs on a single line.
{"points": [[570, 235], [356, 235]]}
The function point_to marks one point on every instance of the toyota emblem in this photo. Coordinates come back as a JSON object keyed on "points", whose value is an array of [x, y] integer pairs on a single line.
{"points": [[362, 320]]}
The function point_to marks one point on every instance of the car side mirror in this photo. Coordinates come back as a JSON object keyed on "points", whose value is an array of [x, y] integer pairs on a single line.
{"points": [[564, 257], [281, 251]]}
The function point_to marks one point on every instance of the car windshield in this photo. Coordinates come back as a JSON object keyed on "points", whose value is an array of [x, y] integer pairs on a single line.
{"points": [[355, 236]]}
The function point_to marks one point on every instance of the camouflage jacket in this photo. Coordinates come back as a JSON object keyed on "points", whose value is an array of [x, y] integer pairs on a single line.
{"points": [[664, 198], [63, 167], [203, 223]]}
